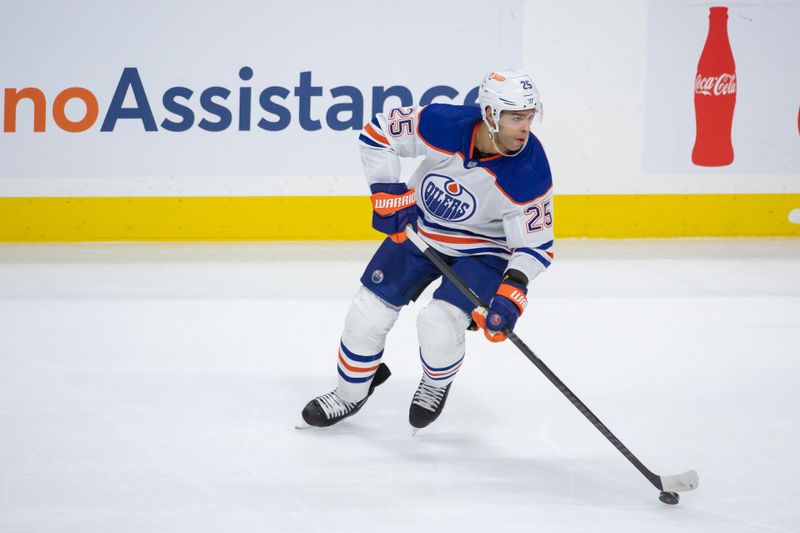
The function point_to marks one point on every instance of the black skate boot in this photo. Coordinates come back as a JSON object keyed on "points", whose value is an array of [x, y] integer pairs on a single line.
{"points": [[328, 409], [427, 404]]}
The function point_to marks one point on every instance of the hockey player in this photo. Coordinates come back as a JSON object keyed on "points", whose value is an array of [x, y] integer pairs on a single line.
{"points": [[482, 197]]}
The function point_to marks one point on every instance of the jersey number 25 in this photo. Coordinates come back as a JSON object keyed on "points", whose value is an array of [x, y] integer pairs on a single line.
{"points": [[401, 121], [541, 217]]}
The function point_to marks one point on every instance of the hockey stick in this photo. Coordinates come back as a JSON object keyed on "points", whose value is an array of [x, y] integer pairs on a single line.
{"points": [[666, 484]]}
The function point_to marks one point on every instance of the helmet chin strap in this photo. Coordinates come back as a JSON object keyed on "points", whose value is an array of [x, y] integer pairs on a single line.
{"points": [[492, 133]]}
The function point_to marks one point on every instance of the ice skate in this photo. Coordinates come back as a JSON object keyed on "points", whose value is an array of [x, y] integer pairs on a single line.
{"points": [[330, 408], [427, 404]]}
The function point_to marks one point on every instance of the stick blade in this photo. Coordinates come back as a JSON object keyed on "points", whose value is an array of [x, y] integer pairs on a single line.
{"points": [[680, 482]]}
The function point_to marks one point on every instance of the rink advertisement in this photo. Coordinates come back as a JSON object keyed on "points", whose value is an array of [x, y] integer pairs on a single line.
{"points": [[188, 99], [190, 121], [723, 99]]}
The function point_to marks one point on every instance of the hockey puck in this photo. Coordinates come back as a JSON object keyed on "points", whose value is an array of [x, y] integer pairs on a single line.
{"points": [[670, 498]]}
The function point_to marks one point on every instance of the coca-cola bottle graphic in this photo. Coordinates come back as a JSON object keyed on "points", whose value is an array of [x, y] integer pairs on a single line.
{"points": [[715, 95]]}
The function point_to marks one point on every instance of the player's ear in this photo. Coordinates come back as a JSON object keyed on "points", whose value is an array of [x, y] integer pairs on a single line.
{"points": [[488, 112]]}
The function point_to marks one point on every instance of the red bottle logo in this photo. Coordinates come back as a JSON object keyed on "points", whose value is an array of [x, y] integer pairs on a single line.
{"points": [[715, 95]]}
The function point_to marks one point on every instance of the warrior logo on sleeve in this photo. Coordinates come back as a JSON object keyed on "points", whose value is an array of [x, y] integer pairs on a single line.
{"points": [[447, 199]]}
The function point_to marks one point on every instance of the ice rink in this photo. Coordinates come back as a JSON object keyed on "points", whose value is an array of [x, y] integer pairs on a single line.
{"points": [[154, 388]]}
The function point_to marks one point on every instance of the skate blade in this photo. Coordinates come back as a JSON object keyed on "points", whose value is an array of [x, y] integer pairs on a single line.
{"points": [[414, 431], [302, 425]]}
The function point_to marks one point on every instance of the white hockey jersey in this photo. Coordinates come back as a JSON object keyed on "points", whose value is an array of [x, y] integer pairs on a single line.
{"points": [[497, 205]]}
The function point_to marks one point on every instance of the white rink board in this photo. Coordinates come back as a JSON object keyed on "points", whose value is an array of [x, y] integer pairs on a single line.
{"points": [[616, 87], [765, 43], [617, 79], [350, 47]]}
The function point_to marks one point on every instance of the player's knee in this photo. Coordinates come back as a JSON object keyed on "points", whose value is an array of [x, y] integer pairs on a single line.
{"points": [[368, 313], [441, 325]]}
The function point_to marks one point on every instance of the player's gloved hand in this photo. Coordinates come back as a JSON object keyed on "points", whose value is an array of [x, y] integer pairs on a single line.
{"points": [[393, 207], [504, 310]]}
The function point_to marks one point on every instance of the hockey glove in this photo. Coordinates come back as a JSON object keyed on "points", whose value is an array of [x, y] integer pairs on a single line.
{"points": [[393, 207], [504, 310]]}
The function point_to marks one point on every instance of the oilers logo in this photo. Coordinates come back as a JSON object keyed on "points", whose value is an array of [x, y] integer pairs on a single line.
{"points": [[446, 199]]}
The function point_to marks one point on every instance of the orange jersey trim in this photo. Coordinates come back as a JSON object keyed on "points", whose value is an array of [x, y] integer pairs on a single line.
{"points": [[372, 132], [455, 240], [472, 144], [429, 145]]}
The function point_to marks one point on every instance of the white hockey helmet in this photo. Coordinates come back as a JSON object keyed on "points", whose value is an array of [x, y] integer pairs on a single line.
{"points": [[507, 90]]}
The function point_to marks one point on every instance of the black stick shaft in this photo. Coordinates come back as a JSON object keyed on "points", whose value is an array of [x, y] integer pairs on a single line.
{"points": [[574, 400], [431, 254]]}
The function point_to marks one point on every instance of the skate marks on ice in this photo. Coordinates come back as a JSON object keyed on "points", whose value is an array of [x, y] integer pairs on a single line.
{"points": [[187, 404]]}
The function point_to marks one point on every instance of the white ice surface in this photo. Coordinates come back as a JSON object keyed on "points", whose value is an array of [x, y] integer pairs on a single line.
{"points": [[154, 388]]}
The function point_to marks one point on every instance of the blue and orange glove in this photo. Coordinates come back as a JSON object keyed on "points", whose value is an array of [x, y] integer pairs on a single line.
{"points": [[393, 207], [504, 310]]}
